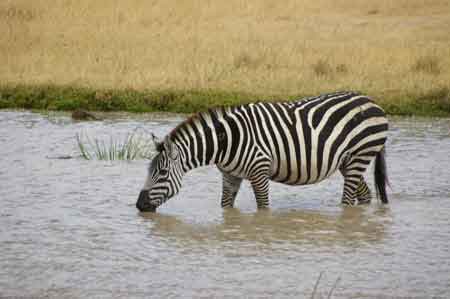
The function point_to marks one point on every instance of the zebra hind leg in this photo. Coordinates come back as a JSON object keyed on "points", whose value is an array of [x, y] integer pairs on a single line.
{"points": [[363, 193], [230, 188], [356, 190]]}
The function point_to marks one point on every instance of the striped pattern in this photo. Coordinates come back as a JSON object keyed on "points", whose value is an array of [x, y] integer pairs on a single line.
{"points": [[294, 143]]}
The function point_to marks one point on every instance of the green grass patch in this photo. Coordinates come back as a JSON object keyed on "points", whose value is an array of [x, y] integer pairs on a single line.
{"points": [[67, 98], [432, 103], [50, 97]]}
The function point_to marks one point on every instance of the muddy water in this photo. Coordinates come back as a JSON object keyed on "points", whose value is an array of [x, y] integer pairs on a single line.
{"points": [[69, 228]]}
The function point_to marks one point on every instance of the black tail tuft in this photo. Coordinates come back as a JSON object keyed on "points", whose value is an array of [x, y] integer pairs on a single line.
{"points": [[381, 177]]}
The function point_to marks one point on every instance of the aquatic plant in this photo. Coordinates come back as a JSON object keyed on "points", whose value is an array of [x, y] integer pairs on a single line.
{"points": [[132, 147], [316, 285]]}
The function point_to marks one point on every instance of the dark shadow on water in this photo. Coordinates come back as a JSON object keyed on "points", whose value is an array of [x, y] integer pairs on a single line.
{"points": [[349, 226]]}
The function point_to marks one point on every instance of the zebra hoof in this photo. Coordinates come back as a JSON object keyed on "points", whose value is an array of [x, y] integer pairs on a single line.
{"points": [[349, 202], [364, 201]]}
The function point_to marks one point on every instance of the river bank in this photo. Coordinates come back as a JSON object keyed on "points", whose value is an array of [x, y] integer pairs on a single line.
{"points": [[68, 98]]}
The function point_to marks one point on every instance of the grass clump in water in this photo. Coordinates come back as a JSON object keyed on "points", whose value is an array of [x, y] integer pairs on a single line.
{"points": [[330, 293], [132, 147]]}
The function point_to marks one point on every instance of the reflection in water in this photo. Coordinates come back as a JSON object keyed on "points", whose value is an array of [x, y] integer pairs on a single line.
{"points": [[351, 226], [70, 229]]}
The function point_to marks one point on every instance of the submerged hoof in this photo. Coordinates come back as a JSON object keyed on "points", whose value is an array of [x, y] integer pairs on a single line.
{"points": [[356, 202], [349, 202], [364, 201]]}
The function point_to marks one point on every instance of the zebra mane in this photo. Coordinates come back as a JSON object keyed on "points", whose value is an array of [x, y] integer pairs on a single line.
{"points": [[195, 117], [224, 110], [188, 121]]}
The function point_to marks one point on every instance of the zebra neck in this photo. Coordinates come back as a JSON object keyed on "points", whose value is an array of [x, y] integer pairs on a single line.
{"points": [[197, 142]]}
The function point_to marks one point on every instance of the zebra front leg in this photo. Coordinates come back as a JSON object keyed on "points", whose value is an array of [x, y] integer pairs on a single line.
{"points": [[260, 185], [230, 188]]}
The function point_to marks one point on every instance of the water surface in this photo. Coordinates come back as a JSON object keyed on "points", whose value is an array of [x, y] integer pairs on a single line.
{"points": [[69, 227]]}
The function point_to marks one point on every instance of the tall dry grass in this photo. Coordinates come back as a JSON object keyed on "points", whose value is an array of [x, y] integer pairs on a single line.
{"points": [[260, 46]]}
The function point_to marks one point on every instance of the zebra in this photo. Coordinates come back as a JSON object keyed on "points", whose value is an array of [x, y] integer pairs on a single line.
{"points": [[295, 143]]}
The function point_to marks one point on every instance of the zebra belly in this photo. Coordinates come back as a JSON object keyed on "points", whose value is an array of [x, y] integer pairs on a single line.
{"points": [[294, 176]]}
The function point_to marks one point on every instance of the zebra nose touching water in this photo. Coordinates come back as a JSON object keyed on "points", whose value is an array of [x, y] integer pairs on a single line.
{"points": [[295, 143]]}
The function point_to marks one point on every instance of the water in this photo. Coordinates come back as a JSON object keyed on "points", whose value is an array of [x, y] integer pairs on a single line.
{"points": [[69, 227]]}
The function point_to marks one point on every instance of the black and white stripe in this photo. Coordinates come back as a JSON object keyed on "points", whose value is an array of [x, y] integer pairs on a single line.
{"points": [[295, 143]]}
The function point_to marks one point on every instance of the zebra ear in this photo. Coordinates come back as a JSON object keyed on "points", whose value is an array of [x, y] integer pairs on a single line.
{"points": [[158, 144], [170, 148], [155, 138]]}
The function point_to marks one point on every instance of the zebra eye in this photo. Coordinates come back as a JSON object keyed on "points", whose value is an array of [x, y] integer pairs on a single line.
{"points": [[163, 172]]}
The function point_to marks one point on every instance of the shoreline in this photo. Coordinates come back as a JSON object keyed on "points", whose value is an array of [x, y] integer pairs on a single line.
{"points": [[69, 98]]}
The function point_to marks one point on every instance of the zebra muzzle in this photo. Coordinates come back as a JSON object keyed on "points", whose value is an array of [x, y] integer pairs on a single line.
{"points": [[143, 203]]}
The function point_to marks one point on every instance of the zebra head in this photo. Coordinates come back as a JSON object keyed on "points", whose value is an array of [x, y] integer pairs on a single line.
{"points": [[164, 177]]}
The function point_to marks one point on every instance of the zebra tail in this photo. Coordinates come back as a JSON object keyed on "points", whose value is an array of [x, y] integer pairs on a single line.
{"points": [[381, 178]]}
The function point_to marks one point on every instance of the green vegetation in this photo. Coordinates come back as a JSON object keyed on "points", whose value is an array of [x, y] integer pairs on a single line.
{"points": [[131, 148], [70, 98], [44, 97]]}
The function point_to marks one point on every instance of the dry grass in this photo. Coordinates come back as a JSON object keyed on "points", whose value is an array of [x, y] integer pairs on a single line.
{"points": [[261, 46], [427, 64]]}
